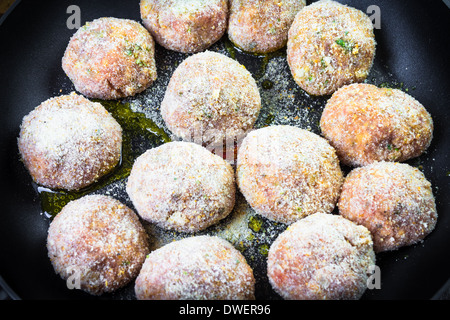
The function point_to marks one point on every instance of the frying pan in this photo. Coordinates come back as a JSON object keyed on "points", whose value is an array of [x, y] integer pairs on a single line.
{"points": [[412, 54]]}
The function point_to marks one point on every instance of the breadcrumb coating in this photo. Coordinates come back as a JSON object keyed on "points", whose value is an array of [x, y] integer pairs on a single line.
{"points": [[182, 186], [186, 26], [287, 173], [196, 268], [97, 241], [220, 100], [321, 257], [261, 26], [69, 142]]}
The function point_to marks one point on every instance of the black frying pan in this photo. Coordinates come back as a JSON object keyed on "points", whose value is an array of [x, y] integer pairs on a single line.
{"points": [[412, 54]]}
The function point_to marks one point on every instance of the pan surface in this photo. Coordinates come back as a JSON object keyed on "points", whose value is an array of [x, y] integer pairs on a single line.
{"points": [[412, 54]]}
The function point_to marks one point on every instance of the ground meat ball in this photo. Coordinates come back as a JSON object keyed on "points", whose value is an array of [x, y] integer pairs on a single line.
{"points": [[110, 58], [219, 101], [393, 200], [97, 241], [69, 142], [196, 268], [261, 26], [185, 25], [287, 173], [321, 257], [182, 186], [366, 124], [330, 45]]}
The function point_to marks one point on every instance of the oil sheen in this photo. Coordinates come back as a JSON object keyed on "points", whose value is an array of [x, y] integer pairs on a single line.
{"points": [[138, 134]]}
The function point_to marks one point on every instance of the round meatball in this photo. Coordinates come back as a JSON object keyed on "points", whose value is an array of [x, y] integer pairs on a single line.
{"points": [[286, 173], [321, 257], [182, 186], [196, 268], [69, 142], [393, 200], [97, 243], [185, 25], [110, 58], [261, 26], [330, 45], [367, 124], [220, 101]]}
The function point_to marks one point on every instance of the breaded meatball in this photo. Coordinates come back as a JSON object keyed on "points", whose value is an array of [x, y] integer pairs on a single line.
{"points": [[196, 268], [330, 45], [98, 243], [321, 257], [69, 142], [185, 25], [182, 186], [110, 58], [210, 98], [393, 200], [286, 173], [261, 26], [367, 124]]}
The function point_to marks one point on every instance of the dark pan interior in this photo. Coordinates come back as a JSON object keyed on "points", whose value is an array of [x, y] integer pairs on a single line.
{"points": [[412, 54]]}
